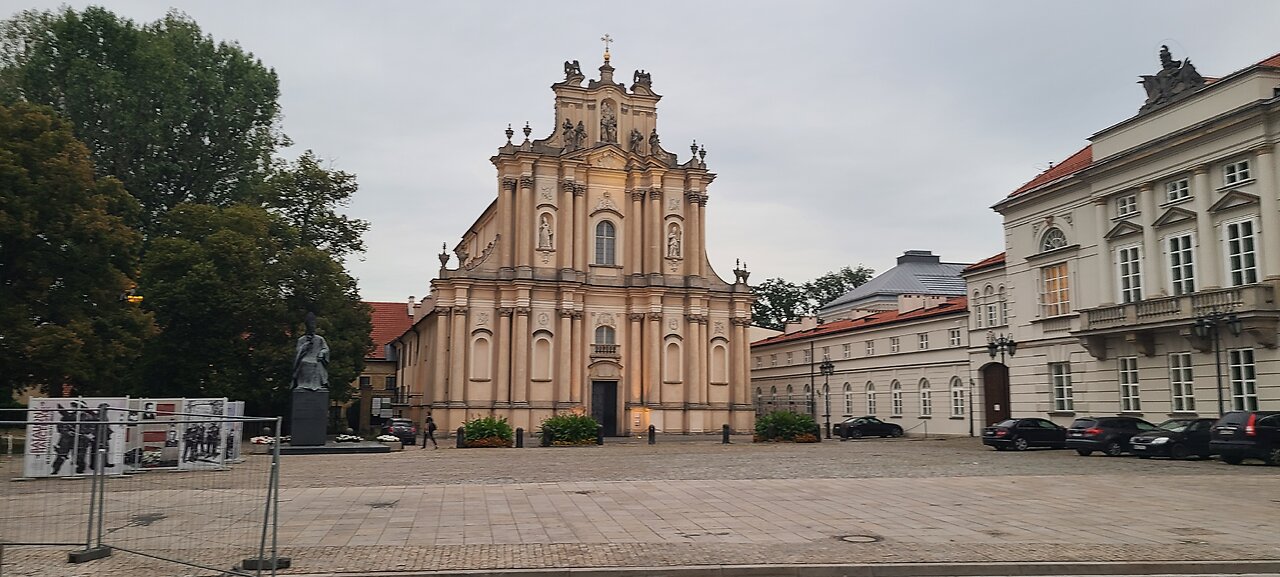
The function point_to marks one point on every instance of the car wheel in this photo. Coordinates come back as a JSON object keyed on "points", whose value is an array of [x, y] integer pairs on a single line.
{"points": [[1021, 444], [896, 432], [855, 434], [1178, 451], [1114, 449], [1273, 457], [1084, 452], [1232, 459]]}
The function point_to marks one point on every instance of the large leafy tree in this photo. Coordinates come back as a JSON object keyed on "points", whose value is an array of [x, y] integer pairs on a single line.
{"points": [[779, 301], [67, 256], [306, 195]]}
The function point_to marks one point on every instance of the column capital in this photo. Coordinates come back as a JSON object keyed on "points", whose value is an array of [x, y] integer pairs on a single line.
{"points": [[1101, 201], [505, 312], [1147, 186], [523, 311], [656, 317], [1264, 148], [460, 311], [740, 321], [1200, 169], [526, 181], [655, 192], [637, 194], [509, 184], [636, 317]]}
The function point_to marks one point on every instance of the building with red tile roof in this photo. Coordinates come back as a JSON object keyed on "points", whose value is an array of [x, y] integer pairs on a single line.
{"points": [[379, 398]]}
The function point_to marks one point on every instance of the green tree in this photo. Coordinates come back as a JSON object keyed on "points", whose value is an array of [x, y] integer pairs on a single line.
{"points": [[67, 256], [833, 285], [779, 301], [307, 196], [176, 116]]}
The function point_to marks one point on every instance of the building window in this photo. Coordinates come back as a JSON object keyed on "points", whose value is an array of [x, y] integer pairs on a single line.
{"points": [[604, 335], [1129, 261], [1182, 382], [790, 358], [954, 335], [1055, 290], [1235, 172], [773, 360], [895, 398], [1130, 393], [977, 309], [1177, 190], [759, 362], [1244, 380], [871, 348], [1242, 254], [848, 399], [1060, 375], [924, 341], [926, 398], [366, 382], [606, 242], [871, 399], [1126, 205], [993, 318], [1182, 272], [848, 350], [1053, 239], [1004, 307], [389, 383], [957, 397], [894, 345], [805, 354]]}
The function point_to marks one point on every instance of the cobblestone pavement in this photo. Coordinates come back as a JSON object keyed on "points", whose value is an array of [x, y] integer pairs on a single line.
{"points": [[696, 502]]}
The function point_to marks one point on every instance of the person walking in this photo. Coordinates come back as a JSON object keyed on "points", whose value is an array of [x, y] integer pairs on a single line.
{"points": [[429, 432]]}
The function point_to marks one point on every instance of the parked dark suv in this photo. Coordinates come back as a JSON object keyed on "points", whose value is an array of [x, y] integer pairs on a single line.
{"points": [[1107, 434], [1241, 435]]}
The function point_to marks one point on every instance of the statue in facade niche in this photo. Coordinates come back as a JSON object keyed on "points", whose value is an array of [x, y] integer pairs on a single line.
{"points": [[579, 135], [1173, 81], [608, 123], [654, 143], [635, 140], [546, 238], [673, 242]]}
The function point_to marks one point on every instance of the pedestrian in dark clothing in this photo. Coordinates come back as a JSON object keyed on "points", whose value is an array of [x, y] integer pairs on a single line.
{"points": [[429, 433]]}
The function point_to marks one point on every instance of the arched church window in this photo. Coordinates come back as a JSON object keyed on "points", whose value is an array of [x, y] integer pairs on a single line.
{"points": [[926, 398], [480, 358], [1053, 239], [604, 335], [606, 243]]}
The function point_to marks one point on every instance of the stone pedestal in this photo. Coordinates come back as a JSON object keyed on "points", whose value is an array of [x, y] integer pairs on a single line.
{"points": [[310, 417]]}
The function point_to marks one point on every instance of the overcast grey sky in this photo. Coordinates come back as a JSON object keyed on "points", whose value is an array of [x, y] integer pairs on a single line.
{"points": [[842, 132]]}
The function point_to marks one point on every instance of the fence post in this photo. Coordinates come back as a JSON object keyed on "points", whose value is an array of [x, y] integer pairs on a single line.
{"points": [[599, 434], [653, 434], [519, 437], [462, 438], [97, 485], [724, 434]]}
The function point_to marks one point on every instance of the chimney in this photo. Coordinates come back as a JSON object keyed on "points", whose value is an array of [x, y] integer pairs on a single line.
{"points": [[409, 310]]}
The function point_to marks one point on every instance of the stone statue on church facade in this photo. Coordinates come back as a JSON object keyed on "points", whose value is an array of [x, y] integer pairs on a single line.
{"points": [[673, 242], [1174, 81], [608, 123], [546, 238], [635, 141]]}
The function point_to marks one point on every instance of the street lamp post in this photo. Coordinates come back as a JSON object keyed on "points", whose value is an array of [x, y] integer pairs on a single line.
{"points": [[1001, 345], [1209, 326], [827, 368]]}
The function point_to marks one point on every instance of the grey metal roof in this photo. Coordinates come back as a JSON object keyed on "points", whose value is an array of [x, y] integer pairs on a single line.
{"points": [[918, 272]]}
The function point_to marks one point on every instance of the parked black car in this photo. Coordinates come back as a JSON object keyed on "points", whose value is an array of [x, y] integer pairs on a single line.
{"points": [[859, 427], [1107, 434], [1175, 438], [1241, 435], [1022, 434], [403, 428]]}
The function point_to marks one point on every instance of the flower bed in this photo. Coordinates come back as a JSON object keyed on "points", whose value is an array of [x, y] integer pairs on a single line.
{"points": [[348, 438]]}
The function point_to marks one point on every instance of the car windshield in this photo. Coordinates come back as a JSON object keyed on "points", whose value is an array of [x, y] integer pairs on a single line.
{"points": [[872, 420], [1083, 423], [1175, 425], [1006, 423]]}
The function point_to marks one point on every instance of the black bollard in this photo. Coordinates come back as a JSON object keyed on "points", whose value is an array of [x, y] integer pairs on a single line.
{"points": [[724, 434], [653, 434], [599, 434], [519, 437], [817, 431], [462, 438]]}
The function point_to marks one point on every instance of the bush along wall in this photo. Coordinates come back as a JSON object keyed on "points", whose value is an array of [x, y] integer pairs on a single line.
{"points": [[786, 426], [488, 432], [568, 429]]}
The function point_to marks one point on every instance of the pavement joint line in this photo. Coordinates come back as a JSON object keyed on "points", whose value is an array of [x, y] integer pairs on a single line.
{"points": [[1013, 569]]}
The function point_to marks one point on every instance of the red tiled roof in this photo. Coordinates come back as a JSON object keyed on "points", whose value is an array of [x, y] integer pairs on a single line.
{"points": [[1071, 165], [1273, 61], [390, 320], [984, 263], [950, 306]]}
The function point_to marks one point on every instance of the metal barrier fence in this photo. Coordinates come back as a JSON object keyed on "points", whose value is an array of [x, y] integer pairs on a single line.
{"points": [[88, 492]]}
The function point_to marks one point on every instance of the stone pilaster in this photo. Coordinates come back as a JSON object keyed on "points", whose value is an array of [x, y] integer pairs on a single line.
{"points": [[653, 360], [635, 232], [520, 364], [1106, 268], [458, 353], [1153, 273], [563, 351], [506, 222], [634, 361], [1208, 274], [1269, 245], [579, 361], [653, 232], [505, 349]]}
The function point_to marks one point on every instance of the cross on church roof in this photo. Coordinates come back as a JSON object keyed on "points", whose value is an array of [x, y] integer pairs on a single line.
{"points": [[607, 41]]}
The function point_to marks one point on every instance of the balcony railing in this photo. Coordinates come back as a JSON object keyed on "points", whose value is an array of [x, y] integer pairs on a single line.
{"points": [[604, 350], [1259, 297]]}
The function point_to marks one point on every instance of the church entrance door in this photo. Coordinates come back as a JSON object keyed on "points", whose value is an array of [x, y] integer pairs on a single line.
{"points": [[604, 405]]}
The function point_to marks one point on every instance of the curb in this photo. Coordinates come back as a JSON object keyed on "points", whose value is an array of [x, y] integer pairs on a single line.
{"points": [[1011, 569]]}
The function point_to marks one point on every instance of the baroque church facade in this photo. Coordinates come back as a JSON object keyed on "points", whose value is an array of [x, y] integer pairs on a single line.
{"points": [[585, 286]]}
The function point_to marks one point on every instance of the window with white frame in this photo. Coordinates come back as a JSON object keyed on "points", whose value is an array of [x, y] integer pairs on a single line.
{"points": [[1235, 172], [954, 337], [926, 398], [1130, 394], [1242, 252], [1126, 205], [1176, 190], [848, 350], [924, 340], [1244, 380], [606, 243], [871, 348], [790, 358], [1182, 382], [1129, 263], [957, 397], [1055, 290], [993, 317], [895, 398], [894, 345], [848, 399], [1053, 239], [805, 354], [1182, 273], [871, 399], [977, 309], [1060, 379], [1004, 307]]}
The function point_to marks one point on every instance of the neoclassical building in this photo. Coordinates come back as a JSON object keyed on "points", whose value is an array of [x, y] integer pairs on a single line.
{"points": [[585, 286]]}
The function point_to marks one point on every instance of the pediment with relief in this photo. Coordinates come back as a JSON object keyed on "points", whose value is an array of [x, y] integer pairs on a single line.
{"points": [[1122, 229], [1233, 199], [1174, 215], [607, 159]]}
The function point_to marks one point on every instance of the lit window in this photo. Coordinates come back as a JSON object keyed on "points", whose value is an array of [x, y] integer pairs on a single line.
{"points": [[1182, 273], [1183, 382], [1235, 172], [1055, 290], [955, 337], [1130, 400], [1242, 253], [605, 243], [1060, 376], [1244, 380], [1129, 260], [1177, 190], [1127, 205], [1053, 239]]}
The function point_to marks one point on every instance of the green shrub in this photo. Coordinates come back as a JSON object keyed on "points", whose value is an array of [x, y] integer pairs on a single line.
{"points": [[488, 432], [784, 426], [569, 429]]}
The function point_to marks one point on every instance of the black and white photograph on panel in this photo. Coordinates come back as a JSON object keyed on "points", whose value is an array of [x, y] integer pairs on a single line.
{"points": [[155, 444], [202, 439], [235, 432], [66, 436]]}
